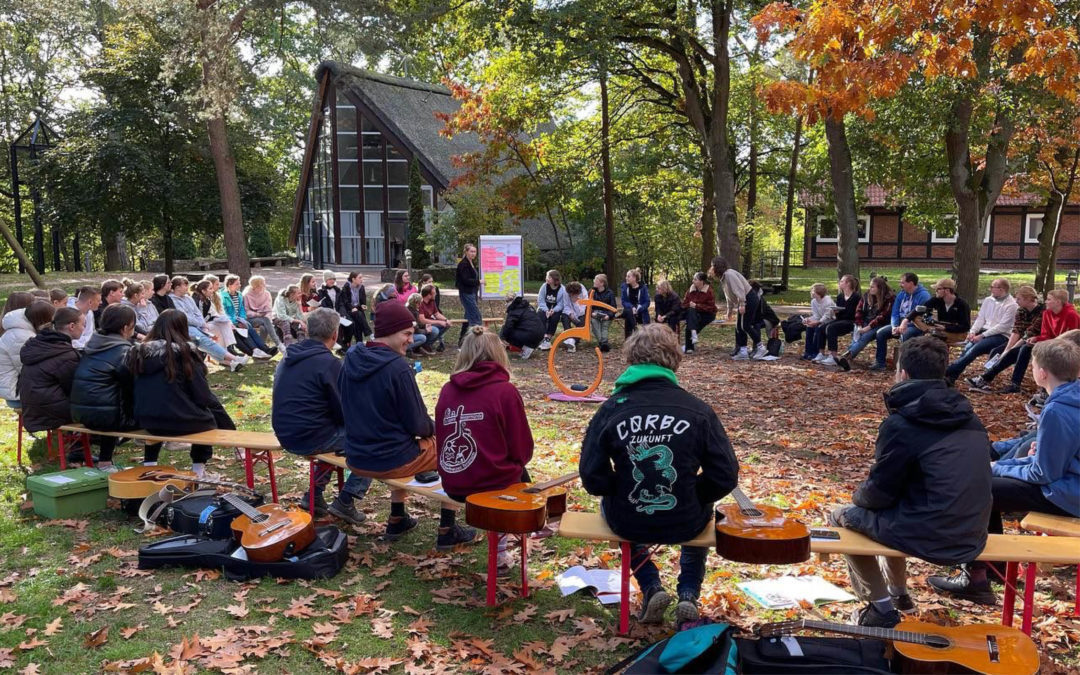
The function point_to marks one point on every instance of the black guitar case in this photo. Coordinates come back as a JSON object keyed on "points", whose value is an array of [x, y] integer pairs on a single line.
{"points": [[204, 515], [323, 559]]}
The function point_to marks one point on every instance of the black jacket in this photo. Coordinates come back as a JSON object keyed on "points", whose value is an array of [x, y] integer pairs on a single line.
{"points": [[386, 412], [306, 411], [523, 327], [101, 393], [466, 278], [345, 304], [49, 363], [606, 296], [161, 302], [928, 492], [329, 296], [668, 306], [183, 406], [845, 309], [956, 319], [641, 454]]}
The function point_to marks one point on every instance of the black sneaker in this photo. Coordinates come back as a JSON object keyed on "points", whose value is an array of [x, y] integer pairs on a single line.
{"points": [[979, 384], [877, 367], [873, 617], [903, 603], [843, 363], [653, 605], [605, 347], [441, 348], [959, 585], [320, 504], [427, 476], [1011, 388], [453, 536], [396, 528], [347, 512], [687, 610]]}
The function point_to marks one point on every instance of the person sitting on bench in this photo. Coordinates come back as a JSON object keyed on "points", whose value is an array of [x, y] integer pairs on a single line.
{"points": [[1047, 480], [481, 428], [306, 412], [642, 453], [997, 316], [523, 328], [928, 490], [388, 433], [950, 311]]}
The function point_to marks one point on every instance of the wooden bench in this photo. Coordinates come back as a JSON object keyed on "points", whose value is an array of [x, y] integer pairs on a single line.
{"points": [[1056, 526], [1013, 549], [593, 527], [257, 446], [487, 320]]}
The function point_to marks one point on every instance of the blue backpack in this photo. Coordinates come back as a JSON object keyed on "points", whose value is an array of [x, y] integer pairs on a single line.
{"points": [[704, 649]]}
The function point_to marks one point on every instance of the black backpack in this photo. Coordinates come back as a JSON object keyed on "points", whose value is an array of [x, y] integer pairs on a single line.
{"points": [[793, 328], [799, 654]]}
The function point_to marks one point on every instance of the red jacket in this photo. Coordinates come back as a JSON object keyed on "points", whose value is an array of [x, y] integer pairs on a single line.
{"points": [[705, 300], [1053, 325], [483, 435]]}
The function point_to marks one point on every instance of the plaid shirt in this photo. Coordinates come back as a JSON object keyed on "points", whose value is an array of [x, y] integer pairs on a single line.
{"points": [[1028, 321]]}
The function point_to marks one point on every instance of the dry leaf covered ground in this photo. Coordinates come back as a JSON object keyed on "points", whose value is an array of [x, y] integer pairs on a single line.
{"points": [[72, 599]]}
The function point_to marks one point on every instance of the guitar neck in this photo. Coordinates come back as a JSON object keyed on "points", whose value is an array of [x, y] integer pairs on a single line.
{"points": [[866, 631], [244, 508], [554, 482], [744, 502]]}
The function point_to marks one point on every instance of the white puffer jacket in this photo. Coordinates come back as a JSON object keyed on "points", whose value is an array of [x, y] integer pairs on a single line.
{"points": [[17, 330]]}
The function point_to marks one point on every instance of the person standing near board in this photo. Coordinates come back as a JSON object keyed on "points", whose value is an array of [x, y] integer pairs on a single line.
{"points": [[467, 282]]}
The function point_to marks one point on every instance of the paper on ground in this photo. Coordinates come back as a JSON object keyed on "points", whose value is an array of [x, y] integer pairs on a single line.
{"points": [[770, 357], [787, 591], [603, 583]]}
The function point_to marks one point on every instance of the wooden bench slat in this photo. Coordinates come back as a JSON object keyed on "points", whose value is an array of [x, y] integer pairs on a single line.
{"points": [[1003, 547], [255, 440], [583, 525], [1059, 526], [393, 483]]}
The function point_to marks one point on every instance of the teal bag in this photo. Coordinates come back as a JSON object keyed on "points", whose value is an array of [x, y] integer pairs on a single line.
{"points": [[704, 649]]}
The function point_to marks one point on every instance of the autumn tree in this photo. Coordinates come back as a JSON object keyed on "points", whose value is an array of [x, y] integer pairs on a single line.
{"points": [[989, 55]]}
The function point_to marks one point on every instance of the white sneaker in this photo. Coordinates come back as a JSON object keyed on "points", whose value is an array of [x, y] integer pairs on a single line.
{"points": [[760, 352], [683, 348], [260, 354], [237, 363], [571, 345], [108, 468], [693, 337], [828, 361], [526, 352], [819, 358], [743, 355], [545, 345]]}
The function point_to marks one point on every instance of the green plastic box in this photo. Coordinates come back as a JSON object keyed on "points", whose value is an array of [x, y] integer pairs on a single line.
{"points": [[68, 493]]}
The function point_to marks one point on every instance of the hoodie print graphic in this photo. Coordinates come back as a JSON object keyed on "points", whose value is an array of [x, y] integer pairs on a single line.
{"points": [[459, 449], [654, 478]]}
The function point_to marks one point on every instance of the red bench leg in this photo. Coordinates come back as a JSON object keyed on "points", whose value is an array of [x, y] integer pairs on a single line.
{"points": [[624, 590], [313, 478], [524, 538], [1076, 595], [18, 454], [269, 454], [493, 565], [87, 454], [1008, 605], [1029, 596], [249, 468], [63, 451], [266, 457]]}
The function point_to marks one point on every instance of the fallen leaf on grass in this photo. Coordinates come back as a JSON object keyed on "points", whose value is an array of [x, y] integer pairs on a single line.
{"points": [[54, 626], [526, 614], [559, 615], [96, 638], [382, 627], [238, 611], [27, 645], [126, 633], [31, 669]]}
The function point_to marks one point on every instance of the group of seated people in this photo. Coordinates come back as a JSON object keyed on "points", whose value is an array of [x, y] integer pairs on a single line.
{"points": [[526, 329]]}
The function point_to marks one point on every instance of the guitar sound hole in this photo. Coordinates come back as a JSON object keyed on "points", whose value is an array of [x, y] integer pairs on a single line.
{"points": [[937, 642]]}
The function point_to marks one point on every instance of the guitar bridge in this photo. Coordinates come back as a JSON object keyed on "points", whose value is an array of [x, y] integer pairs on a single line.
{"points": [[992, 649]]}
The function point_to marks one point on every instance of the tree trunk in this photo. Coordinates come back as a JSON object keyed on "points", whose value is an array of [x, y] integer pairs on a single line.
{"points": [[708, 213], [751, 201], [115, 255], [229, 189], [608, 186], [168, 253], [847, 223], [724, 177], [1050, 237], [790, 207]]}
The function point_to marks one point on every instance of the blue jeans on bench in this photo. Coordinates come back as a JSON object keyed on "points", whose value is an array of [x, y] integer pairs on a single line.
{"points": [[356, 486], [983, 346], [691, 572]]}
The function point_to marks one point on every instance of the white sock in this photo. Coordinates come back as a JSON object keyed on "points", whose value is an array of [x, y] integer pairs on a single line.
{"points": [[693, 335], [149, 463], [199, 469], [884, 604]]}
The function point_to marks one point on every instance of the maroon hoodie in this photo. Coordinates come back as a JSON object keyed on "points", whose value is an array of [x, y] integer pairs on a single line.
{"points": [[482, 432]]}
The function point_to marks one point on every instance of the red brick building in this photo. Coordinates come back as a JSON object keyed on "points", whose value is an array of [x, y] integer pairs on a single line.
{"points": [[1010, 240]]}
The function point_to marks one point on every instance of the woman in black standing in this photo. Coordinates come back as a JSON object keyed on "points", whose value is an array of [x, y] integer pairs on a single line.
{"points": [[467, 282]]}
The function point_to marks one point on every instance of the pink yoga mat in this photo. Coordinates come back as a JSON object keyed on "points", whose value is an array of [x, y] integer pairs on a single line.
{"points": [[592, 398]]}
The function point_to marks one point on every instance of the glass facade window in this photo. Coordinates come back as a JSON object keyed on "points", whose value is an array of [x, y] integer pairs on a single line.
{"points": [[399, 199], [397, 173], [372, 146], [346, 118], [346, 146], [373, 173], [348, 174]]}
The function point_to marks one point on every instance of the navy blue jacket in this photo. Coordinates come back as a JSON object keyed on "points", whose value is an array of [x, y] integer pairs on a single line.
{"points": [[386, 413], [306, 412]]}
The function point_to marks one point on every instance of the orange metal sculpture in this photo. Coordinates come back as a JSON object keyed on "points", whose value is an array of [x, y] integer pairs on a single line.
{"points": [[583, 333]]}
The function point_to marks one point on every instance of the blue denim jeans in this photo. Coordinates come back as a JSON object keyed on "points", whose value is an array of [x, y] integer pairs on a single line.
{"points": [[356, 486], [813, 340], [417, 340], [860, 341], [207, 344], [974, 351], [691, 569], [1009, 449], [885, 334], [472, 311]]}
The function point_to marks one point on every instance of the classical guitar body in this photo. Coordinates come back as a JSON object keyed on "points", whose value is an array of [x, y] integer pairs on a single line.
{"points": [[749, 533], [987, 649], [140, 482], [273, 532], [518, 509]]}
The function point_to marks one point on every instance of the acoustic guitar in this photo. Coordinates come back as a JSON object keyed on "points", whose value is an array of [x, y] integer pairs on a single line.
{"points": [[987, 649], [139, 482], [270, 532], [520, 508], [748, 533]]}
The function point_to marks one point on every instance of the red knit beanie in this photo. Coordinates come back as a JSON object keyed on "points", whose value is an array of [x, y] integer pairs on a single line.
{"points": [[391, 317]]}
